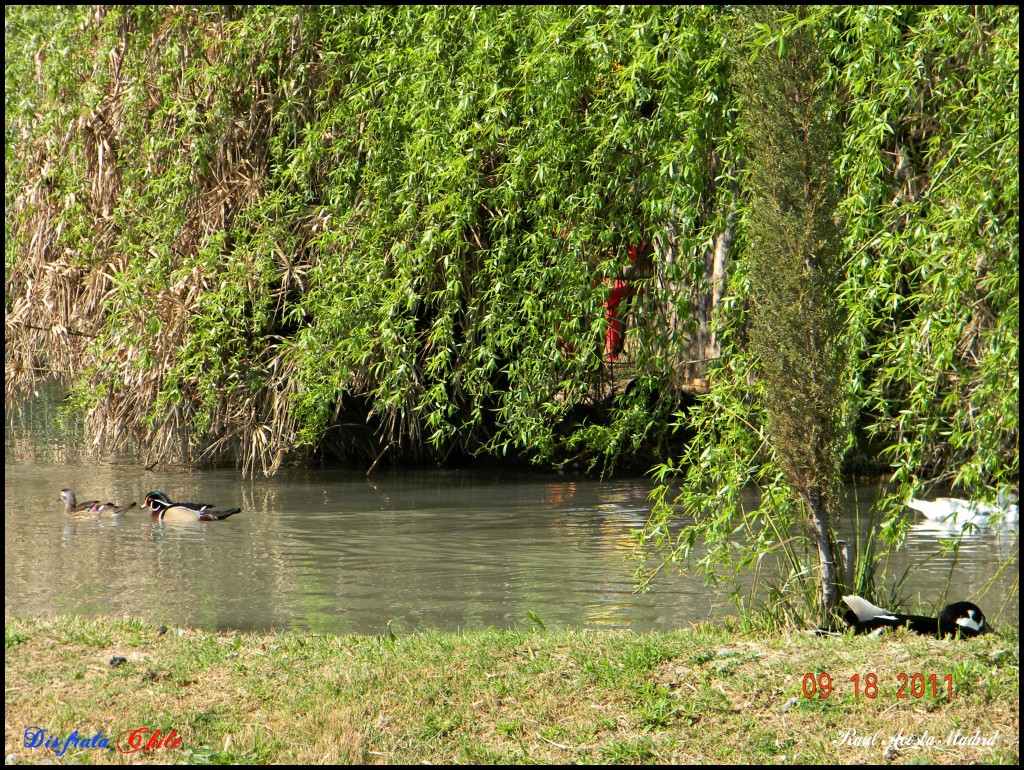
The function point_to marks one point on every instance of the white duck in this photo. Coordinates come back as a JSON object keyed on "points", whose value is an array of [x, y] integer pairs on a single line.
{"points": [[953, 510]]}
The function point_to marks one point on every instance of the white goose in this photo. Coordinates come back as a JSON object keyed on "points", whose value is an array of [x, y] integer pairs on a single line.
{"points": [[953, 510]]}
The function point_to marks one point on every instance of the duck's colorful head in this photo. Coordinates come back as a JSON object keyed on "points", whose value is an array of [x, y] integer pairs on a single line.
{"points": [[156, 501]]}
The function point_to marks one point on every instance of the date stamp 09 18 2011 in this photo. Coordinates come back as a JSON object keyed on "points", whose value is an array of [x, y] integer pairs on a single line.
{"points": [[908, 686]]}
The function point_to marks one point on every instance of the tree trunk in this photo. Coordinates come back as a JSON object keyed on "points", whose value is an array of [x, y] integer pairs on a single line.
{"points": [[830, 574]]}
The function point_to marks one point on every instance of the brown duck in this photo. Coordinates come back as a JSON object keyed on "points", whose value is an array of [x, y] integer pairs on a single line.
{"points": [[90, 509]]}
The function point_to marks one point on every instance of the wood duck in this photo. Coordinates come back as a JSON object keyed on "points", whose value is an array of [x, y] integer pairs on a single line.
{"points": [[90, 509], [956, 619], [164, 510], [954, 510]]}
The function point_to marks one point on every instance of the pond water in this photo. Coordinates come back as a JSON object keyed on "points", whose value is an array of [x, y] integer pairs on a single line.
{"points": [[330, 551]]}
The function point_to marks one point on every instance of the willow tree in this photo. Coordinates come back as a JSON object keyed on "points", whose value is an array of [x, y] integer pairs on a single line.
{"points": [[931, 159], [270, 234], [789, 121]]}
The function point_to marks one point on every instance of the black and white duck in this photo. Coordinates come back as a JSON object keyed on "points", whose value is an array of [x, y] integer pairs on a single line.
{"points": [[961, 619]]}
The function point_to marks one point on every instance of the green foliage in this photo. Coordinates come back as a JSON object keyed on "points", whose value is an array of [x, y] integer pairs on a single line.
{"points": [[931, 162], [377, 230], [927, 105]]}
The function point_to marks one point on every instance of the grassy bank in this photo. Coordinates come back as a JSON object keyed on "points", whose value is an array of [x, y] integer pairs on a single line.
{"points": [[702, 695]]}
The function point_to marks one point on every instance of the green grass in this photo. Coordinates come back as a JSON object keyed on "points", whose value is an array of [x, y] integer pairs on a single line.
{"points": [[702, 695]]}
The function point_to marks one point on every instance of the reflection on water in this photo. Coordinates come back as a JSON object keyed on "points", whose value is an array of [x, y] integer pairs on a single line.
{"points": [[330, 551]]}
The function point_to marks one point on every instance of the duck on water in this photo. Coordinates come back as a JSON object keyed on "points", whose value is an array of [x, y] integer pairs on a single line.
{"points": [[163, 509], [955, 510], [90, 509]]}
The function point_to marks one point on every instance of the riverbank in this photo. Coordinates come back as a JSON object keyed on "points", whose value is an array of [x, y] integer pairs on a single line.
{"points": [[702, 695]]}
